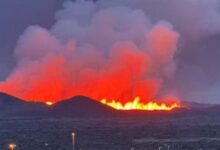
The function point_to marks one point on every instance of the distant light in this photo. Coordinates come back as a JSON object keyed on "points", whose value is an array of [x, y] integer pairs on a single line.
{"points": [[46, 144], [74, 140], [49, 103], [12, 146]]}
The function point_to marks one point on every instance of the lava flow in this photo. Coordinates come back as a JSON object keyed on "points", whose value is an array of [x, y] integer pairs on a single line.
{"points": [[49, 103], [137, 105]]}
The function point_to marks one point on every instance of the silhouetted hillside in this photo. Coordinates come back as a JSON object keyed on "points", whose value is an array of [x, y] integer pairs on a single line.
{"points": [[195, 105], [81, 106], [8, 100], [15, 107]]}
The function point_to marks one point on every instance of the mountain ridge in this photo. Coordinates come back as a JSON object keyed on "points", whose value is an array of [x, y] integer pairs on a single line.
{"points": [[81, 106]]}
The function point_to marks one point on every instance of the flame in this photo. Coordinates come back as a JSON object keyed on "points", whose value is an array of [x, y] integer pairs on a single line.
{"points": [[137, 105], [49, 103]]}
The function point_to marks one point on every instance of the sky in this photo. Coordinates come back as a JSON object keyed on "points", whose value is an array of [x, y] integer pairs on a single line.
{"points": [[15, 17], [189, 70]]}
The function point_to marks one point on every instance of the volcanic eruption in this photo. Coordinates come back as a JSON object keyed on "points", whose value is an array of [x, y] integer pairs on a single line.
{"points": [[137, 105], [115, 55]]}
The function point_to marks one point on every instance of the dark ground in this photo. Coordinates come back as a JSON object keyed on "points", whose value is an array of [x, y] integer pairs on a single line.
{"points": [[182, 132]]}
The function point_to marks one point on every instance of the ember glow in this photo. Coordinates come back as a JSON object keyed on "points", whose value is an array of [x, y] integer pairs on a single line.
{"points": [[137, 105], [49, 103]]}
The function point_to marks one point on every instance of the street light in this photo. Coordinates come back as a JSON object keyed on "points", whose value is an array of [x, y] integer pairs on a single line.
{"points": [[12, 146], [73, 140]]}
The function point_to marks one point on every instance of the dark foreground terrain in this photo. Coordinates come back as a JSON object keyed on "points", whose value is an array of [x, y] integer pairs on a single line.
{"points": [[35, 126], [179, 132]]}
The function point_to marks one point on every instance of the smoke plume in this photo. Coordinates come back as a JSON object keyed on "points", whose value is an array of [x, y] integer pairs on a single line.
{"points": [[113, 53]]}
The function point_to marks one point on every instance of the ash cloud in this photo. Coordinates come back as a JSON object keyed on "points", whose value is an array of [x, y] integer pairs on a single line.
{"points": [[121, 49]]}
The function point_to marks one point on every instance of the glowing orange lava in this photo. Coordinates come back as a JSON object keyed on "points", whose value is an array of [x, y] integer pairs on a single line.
{"points": [[137, 105], [49, 103]]}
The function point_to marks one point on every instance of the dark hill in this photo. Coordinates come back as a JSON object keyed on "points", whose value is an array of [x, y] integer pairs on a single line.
{"points": [[197, 106], [15, 107], [8, 100], [81, 106]]}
